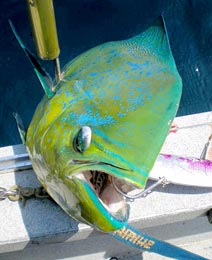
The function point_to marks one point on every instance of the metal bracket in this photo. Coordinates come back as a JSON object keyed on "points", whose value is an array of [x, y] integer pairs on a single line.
{"points": [[210, 216]]}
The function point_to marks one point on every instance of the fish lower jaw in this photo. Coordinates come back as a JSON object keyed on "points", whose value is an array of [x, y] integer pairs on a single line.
{"points": [[112, 201]]}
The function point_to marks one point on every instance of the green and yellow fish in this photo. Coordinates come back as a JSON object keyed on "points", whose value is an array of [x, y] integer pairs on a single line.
{"points": [[104, 121]]}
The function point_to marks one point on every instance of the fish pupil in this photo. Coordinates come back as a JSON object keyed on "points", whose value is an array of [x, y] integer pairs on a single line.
{"points": [[78, 142], [82, 140]]}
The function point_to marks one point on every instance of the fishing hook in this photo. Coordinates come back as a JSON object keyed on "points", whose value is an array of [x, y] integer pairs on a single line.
{"points": [[143, 193]]}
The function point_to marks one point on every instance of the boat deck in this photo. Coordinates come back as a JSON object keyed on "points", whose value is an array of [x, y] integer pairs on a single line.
{"points": [[41, 230]]}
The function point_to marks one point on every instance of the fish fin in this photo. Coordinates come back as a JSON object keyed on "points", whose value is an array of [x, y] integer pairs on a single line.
{"points": [[21, 128], [155, 39], [42, 75]]}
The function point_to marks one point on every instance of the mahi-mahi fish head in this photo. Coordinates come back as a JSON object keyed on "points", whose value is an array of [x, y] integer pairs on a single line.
{"points": [[107, 120]]}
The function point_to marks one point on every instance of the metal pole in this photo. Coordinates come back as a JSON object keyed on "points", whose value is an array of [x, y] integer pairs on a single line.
{"points": [[44, 30]]}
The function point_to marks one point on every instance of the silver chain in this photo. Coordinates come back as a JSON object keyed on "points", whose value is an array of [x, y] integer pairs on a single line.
{"points": [[17, 192], [4, 193]]}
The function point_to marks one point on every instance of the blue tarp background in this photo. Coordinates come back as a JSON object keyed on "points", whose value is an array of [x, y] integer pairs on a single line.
{"points": [[83, 24]]}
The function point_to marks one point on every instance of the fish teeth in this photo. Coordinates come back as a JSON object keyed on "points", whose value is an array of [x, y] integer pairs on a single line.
{"points": [[99, 180]]}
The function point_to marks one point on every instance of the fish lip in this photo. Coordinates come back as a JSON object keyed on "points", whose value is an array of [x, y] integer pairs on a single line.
{"points": [[120, 211], [130, 175], [89, 163], [122, 214]]}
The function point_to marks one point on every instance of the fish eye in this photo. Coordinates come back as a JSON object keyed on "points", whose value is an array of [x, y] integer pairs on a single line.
{"points": [[82, 139]]}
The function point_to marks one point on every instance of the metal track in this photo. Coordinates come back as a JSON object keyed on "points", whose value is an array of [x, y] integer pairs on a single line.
{"points": [[16, 162]]}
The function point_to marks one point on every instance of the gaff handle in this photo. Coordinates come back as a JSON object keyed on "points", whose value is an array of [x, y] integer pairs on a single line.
{"points": [[135, 238], [44, 30]]}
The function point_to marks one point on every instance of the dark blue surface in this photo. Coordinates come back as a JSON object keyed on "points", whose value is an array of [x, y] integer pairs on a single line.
{"points": [[83, 24], [130, 235]]}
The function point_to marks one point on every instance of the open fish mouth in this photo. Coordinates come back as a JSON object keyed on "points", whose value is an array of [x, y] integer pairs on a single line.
{"points": [[112, 192]]}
